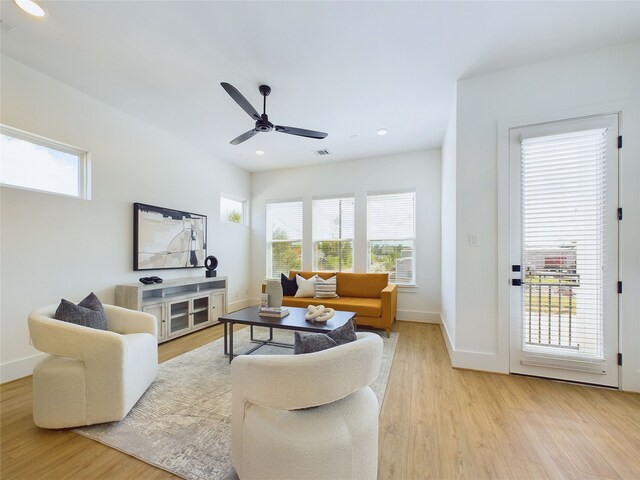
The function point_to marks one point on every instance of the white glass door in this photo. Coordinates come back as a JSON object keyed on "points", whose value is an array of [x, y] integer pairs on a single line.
{"points": [[200, 311], [564, 250], [179, 317]]}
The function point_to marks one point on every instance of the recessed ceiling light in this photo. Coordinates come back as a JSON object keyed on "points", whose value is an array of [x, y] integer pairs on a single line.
{"points": [[382, 131], [30, 7], [259, 152]]}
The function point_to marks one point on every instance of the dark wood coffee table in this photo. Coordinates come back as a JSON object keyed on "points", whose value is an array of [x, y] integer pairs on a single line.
{"points": [[294, 321]]}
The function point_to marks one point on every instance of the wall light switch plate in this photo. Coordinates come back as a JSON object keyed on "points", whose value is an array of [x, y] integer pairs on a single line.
{"points": [[473, 240]]}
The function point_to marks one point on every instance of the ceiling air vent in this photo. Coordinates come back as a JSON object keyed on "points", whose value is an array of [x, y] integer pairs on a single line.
{"points": [[324, 151]]}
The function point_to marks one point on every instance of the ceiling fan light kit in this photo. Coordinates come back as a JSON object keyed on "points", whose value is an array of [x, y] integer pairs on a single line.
{"points": [[263, 125]]}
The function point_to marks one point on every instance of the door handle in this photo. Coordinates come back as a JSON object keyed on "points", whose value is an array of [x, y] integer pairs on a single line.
{"points": [[516, 282]]}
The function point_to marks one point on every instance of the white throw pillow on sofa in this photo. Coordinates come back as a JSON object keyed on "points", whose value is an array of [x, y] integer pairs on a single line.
{"points": [[306, 288]]}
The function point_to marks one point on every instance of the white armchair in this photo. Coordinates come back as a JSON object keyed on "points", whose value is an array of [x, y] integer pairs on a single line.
{"points": [[91, 376], [272, 438]]}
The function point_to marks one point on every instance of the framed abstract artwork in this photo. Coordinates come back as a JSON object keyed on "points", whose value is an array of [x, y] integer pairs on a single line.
{"points": [[164, 238]]}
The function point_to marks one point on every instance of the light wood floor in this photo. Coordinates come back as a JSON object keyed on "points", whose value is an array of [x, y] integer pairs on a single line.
{"points": [[436, 422]]}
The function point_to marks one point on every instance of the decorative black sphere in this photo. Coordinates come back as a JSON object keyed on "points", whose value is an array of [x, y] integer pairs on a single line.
{"points": [[211, 263]]}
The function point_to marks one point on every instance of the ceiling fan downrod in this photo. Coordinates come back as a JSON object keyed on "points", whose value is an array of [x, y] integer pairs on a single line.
{"points": [[265, 90]]}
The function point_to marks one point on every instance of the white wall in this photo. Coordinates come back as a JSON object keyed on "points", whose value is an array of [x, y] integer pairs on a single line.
{"points": [[54, 246], [580, 85], [448, 281], [419, 170]]}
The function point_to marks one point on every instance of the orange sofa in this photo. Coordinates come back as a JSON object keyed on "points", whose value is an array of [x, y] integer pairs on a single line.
{"points": [[367, 294]]}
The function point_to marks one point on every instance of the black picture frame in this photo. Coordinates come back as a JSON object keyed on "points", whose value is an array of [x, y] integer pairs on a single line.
{"points": [[167, 239]]}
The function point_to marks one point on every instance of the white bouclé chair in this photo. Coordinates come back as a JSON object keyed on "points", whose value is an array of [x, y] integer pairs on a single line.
{"points": [[91, 376], [275, 435]]}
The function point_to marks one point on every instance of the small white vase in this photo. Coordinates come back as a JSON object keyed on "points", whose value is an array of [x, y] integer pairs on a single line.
{"points": [[274, 292]]}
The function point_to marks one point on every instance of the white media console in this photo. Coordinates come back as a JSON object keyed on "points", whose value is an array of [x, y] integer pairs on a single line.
{"points": [[181, 305]]}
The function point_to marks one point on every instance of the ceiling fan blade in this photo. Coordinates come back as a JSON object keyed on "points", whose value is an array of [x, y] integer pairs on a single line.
{"points": [[240, 100], [243, 137], [301, 132]]}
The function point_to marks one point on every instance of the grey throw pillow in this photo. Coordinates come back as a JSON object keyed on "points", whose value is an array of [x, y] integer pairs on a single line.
{"points": [[344, 334], [88, 313], [315, 342], [312, 342]]}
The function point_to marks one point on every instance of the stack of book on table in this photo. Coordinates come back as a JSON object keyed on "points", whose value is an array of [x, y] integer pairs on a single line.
{"points": [[277, 312]]}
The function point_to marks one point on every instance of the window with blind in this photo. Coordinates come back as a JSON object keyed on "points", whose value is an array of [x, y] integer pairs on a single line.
{"points": [[333, 221], [284, 237], [391, 231], [563, 208]]}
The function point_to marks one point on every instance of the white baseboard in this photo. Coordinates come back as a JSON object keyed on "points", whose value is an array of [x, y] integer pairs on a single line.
{"points": [[484, 361], [409, 315], [447, 340], [22, 367], [417, 316], [239, 305]]}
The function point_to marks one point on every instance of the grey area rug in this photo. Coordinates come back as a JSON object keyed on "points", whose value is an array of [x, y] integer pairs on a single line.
{"points": [[182, 424]]}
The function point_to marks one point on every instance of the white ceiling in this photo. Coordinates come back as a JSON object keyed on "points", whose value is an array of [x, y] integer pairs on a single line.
{"points": [[346, 68]]}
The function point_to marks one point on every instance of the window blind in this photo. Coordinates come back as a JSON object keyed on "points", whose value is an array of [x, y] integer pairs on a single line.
{"points": [[391, 220], [333, 224], [563, 244], [284, 237]]}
